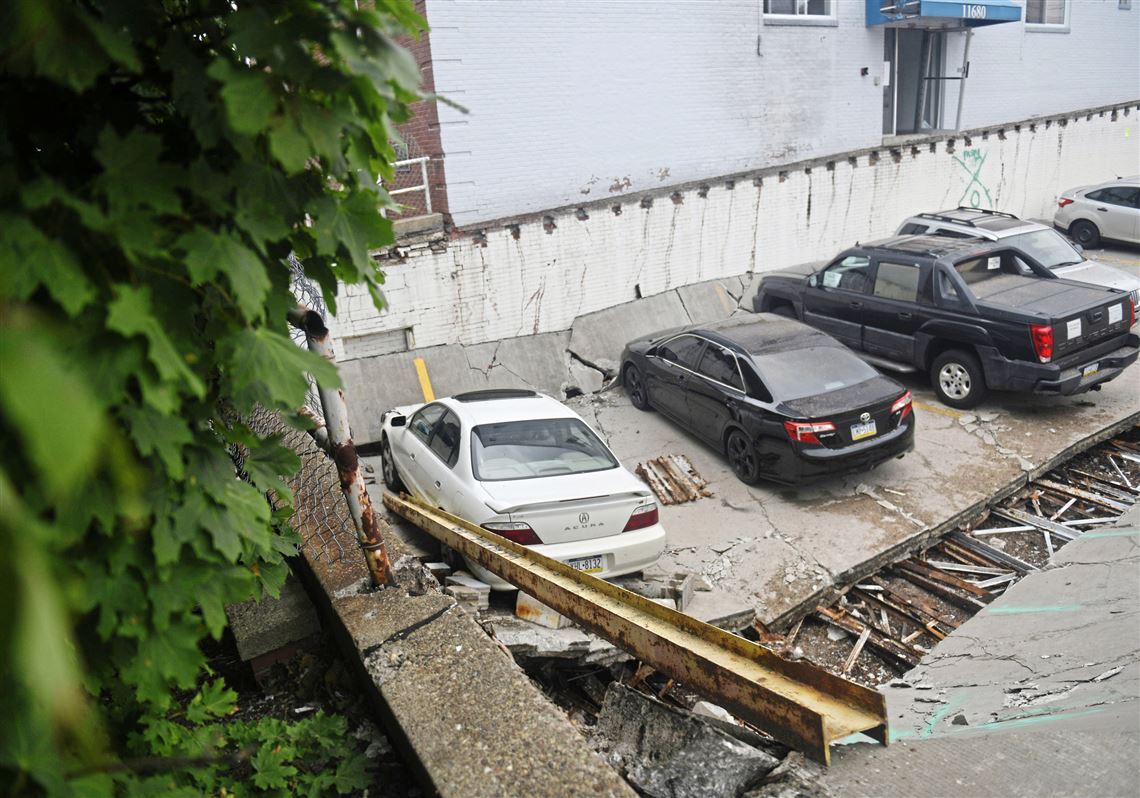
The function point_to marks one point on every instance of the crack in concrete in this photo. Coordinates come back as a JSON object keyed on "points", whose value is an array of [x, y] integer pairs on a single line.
{"points": [[607, 374]]}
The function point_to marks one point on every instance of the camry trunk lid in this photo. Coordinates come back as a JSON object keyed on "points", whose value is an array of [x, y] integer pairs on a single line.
{"points": [[570, 507], [843, 402]]}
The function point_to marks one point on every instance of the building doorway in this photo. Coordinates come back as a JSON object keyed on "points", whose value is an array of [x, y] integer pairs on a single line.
{"points": [[915, 94]]}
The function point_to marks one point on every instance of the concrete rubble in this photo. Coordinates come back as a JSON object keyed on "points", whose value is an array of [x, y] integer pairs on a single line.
{"points": [[666, 752], [265, 631]]}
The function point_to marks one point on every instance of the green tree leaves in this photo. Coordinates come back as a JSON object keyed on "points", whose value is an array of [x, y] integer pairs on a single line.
{"points": [[178, 153]]}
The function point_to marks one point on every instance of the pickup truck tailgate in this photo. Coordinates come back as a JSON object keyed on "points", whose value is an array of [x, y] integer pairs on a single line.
{"points": [[1103, 321]]}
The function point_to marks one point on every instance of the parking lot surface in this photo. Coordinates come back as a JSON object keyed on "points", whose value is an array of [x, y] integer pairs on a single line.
{"points": [[781, 548]]}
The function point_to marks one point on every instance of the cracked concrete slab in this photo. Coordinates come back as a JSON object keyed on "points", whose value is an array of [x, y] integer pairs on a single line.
{"points": [[1046, 679], [380, 383], [711, 300], [791, 544], [599, 337]]}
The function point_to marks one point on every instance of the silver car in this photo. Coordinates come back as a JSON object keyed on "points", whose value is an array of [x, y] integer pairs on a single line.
{"points": [[1107, 210], [1044, 244]]}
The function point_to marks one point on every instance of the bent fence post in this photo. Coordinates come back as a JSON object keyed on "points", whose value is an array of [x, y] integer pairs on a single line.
{"points": [[343, 451]]}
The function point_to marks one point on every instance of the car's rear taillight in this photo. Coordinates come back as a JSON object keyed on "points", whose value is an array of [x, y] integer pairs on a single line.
{"points": [[643, 516], [902, 406], [1132, 309], [1061, 203], [514, 530], [1042, 341], [807, 432]]}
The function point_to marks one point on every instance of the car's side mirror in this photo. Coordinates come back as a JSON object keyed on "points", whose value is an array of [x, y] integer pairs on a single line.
{"points": [[813, 280], [398, 421], [1079, 248]]}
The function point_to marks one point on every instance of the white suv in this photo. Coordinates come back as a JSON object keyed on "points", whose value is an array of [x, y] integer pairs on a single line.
{"points": [[1042, 243]]}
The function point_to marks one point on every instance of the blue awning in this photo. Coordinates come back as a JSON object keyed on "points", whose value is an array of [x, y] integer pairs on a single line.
{"points": [[942, 13]]}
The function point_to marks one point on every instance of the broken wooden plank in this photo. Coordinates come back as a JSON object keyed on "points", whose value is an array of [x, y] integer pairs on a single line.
{"points": [[990, 553], [944, 590], [890, 649], [1043, 524], [673, 479], [1087, 495], [967, 569], [862, 641]]}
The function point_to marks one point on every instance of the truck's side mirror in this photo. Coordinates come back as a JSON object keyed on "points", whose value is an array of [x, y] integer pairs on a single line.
{"points": [[399, 421]]}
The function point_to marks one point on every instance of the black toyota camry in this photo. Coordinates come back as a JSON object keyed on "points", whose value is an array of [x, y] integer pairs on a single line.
{"points": [[782, 400]]}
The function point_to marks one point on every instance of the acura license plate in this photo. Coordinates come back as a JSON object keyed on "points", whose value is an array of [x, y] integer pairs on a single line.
{"points": [[861, 431], [590, 565], [1090, 370]]}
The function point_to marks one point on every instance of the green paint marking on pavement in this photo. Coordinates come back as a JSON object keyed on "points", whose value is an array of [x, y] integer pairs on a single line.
{"points": [[1047, 608], [937, 716], [1112, 533]]}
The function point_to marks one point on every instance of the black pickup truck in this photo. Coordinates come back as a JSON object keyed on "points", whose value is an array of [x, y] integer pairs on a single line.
{"points": [[973, 315]]}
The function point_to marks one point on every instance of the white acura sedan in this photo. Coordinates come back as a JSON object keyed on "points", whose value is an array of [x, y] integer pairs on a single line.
{"points": [[526, 467]]}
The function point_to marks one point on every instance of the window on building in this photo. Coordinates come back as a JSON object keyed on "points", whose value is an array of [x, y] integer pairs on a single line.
{"points": [[807, 9], [1047, 13]]}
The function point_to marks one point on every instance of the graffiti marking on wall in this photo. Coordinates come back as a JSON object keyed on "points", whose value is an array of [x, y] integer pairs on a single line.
{"points": [[972, 162]]}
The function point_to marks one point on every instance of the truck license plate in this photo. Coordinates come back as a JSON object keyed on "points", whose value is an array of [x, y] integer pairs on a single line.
{"points": [[861, 431], [1090, 369], [590, 565]]}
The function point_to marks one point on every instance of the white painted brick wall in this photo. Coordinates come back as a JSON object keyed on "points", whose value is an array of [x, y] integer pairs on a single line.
{"points": [[572, 100], [541, 281]]}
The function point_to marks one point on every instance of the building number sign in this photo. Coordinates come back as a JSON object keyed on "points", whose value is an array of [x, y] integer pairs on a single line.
{"points": [[973, 11]]}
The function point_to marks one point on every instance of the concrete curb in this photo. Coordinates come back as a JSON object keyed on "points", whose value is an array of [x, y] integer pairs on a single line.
{"points": [[467, 720]]}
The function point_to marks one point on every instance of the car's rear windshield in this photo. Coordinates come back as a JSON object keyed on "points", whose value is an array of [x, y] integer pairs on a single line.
{"points": [[537, 448], [812, 371], [1047, 247]]}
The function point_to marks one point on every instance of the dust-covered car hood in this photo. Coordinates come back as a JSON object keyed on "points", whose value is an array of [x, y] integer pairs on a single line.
{"points": [[1097, 273]]}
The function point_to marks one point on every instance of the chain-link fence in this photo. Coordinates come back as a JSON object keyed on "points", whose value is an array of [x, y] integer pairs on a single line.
{"points": [[320, 514]]}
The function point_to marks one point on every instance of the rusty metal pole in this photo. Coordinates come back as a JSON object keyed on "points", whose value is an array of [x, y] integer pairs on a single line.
{"points": [[343, 451]]}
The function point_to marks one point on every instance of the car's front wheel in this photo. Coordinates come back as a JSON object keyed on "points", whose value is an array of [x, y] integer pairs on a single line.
{"points": [[742, 457], [958, 379], [635, 386], [388, 467], [1085, 233]]}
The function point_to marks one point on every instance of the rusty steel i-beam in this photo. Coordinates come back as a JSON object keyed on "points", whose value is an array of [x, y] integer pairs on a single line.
{"points": [[336, 438], [797, 703]]}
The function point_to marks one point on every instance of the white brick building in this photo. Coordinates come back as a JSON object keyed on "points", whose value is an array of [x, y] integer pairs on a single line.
{"points": [[575, 100]]}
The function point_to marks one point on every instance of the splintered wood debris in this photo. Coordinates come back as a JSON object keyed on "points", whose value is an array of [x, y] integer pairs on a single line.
{"points": [[893, 618], [673, 479]]}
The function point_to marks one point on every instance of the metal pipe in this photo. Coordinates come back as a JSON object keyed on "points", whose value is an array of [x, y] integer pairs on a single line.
{"points": [[343, 451], [965, 74]]}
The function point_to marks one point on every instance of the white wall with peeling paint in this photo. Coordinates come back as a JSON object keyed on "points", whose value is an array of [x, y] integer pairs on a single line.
{"points": [[576, 100], [539, 276]]}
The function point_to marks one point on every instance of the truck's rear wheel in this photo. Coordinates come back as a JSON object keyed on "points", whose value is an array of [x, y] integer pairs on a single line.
{"points": [[958, 379]]}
